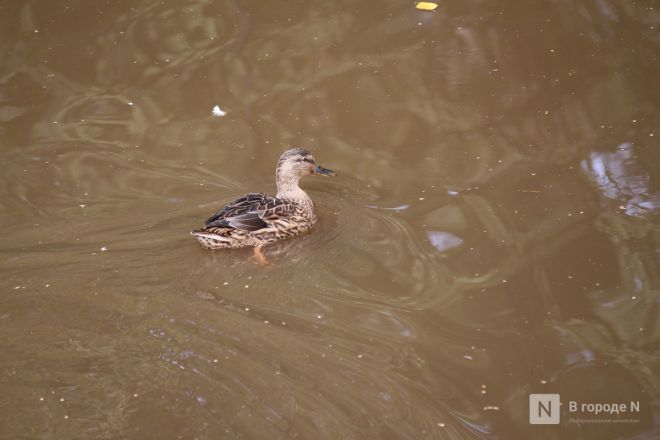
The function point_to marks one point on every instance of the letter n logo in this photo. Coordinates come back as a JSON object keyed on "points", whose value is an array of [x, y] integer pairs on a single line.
{"points": [[544, 409]]}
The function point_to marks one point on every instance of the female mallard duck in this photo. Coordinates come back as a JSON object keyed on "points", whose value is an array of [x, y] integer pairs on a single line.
{"points": [[256, 219]]}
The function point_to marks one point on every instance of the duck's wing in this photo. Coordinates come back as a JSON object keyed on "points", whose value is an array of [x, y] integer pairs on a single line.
{"points": [[250, 212]]}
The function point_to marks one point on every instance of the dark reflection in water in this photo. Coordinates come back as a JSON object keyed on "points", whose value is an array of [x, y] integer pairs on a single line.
{"points": [[493, 232]]}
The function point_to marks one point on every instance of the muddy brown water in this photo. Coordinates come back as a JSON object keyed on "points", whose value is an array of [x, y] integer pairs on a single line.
{"points": [[492, 233]]}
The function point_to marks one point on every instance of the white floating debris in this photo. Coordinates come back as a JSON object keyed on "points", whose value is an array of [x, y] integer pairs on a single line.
{"points": [[103, 248], [217, 111]]}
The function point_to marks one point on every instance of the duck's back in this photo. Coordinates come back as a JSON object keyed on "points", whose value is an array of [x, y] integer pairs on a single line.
{"points": [[256, 218], [247, 204]]}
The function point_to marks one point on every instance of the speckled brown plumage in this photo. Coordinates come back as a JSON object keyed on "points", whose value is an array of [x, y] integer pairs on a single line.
{"points": [[256, 219]]}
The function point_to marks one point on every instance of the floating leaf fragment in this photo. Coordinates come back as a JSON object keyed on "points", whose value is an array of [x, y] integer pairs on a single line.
{"points": [[426, 6], [217, 111]]}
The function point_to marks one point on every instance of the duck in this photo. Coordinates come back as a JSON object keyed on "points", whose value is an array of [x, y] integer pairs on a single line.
{"points": [[257, 219]]}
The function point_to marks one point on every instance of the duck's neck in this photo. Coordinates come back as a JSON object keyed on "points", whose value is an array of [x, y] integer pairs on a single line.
{"points": [[288, 188]]}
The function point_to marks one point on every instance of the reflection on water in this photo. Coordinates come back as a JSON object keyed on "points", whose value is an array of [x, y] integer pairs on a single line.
{"points": [[493, 232], [615, 175]]}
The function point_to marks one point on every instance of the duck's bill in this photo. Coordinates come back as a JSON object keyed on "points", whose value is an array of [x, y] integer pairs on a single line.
{"points": [[324, 171]]}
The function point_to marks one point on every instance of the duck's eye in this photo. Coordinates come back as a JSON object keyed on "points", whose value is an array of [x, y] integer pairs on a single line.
{"points": [[308, 160]]}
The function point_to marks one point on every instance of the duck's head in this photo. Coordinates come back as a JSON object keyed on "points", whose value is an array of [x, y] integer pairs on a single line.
{"points": [[298, 162]]}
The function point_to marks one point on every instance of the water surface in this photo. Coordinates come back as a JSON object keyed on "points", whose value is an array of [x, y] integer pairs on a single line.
{"points": [[493, 231]]}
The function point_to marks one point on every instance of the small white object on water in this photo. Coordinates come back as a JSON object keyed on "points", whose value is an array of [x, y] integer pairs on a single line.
{"points": [[217, 111], [103, 248]]}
